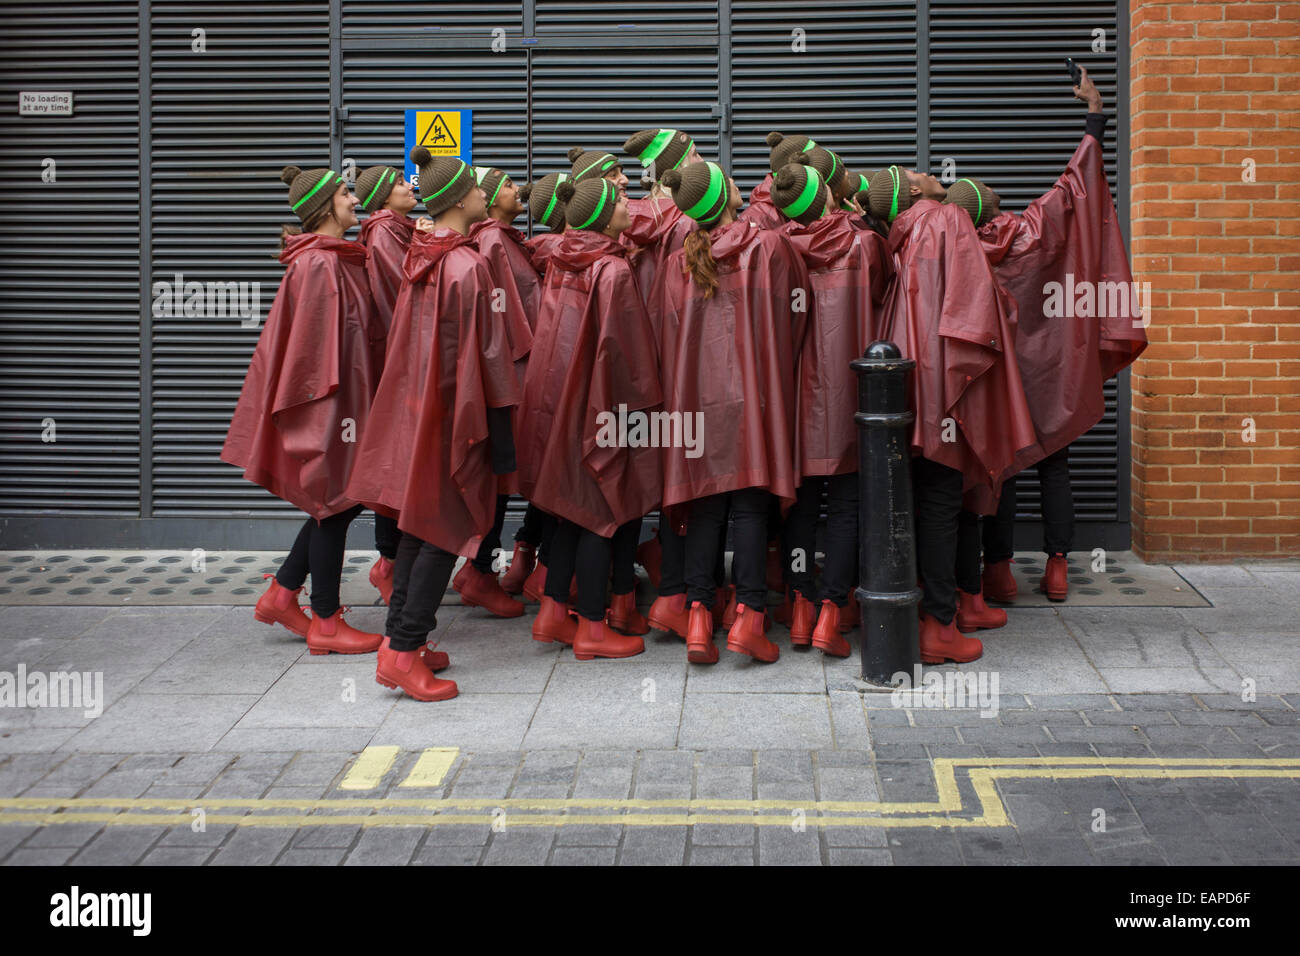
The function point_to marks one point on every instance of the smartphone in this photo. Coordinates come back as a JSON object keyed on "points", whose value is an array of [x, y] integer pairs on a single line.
{"points": [[1075, 73]]}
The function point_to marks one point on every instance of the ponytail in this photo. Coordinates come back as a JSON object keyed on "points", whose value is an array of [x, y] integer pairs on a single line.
{"points": [[699, 264]]}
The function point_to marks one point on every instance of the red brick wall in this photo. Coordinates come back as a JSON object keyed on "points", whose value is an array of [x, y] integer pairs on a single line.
{"points": [[1213, 84]]}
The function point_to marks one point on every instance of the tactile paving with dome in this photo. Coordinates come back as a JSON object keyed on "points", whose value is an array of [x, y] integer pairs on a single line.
{"points": [[114, 578]]}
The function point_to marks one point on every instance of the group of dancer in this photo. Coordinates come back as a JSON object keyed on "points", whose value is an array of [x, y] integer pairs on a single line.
{"points": [[682, 352]]}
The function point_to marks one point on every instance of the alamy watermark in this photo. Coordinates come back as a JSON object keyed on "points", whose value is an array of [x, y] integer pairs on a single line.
{"points": [[1097, 300], [946, 690], [624, 429], [178, 298], [55, 689]]}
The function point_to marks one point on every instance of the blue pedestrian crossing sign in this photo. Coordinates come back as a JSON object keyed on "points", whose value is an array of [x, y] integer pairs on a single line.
{"points": [[441, 132]]}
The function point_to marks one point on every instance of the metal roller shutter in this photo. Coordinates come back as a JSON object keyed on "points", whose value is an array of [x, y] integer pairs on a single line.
{"points": [[1000, 108], [429, 17], [224, 122], [852, 88], [596, 16], [69, 275]]}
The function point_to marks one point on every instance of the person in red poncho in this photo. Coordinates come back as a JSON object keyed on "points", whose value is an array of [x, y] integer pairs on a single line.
{"points": [[733, 303], [440, 429], [1069, 237], [387, 198], [593, 365], [972, 420], [515, 295], [851, 269], [784, 149], [546, 208], [305, 399]]}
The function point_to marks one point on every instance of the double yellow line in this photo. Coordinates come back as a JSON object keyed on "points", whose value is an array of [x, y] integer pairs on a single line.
{"points": [[949, 810]]}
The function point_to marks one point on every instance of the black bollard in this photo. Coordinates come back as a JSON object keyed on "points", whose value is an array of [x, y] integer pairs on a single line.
{"points": [[886, 530]]}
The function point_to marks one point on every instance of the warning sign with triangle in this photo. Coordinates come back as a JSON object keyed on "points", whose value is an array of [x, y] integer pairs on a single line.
{"points": [[436, 133]]}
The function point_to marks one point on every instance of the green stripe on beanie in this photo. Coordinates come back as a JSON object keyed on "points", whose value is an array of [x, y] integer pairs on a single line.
{"points": [[374, 186], [310, 191], [700, 191]]}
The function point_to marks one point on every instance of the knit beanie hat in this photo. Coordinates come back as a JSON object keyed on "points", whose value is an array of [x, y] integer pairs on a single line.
{"points": [[587, 164], [786, 148], [588, 205], [374, 185], [889, 193], [310, 191], [543, 203], [797, 192], [662, 149], [700, 190], [859, 182], [489, 180], [973, 196], [444, 180], [826, 163]]}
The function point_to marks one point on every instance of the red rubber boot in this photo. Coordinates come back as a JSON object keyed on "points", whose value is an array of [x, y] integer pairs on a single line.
{"points": [[381, 576], [803, 616], [943, 642], [334, 635], [434, 659], [724, 603], [484, 590], [623, 615], [650, 555], [535, 583], [597, 639], [974, 615], [522, 563], [554, 623], [670, 614], [279, 605], [826, 635], [1056, 580], [700, 648], [746, 636], [406, 671], [999, 584]]}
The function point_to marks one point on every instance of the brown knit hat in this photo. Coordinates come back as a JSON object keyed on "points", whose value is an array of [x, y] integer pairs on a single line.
{"points": [[828, 164], [543, 204], [588, 205], [799, 192], [310, 191], [785, 148], [444, 180], [591, 163], [973, 196], [889, 193], [859, 182], [700, 190], [374, 185], [659, 149], [489, 180]]}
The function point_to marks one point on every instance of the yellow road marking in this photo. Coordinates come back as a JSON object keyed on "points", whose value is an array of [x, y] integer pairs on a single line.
{"points": [[431, 767], [949, 810], [369, 770]]}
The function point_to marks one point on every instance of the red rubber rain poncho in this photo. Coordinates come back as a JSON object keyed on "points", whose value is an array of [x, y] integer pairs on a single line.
{"points": [[386, 236], [734, 357], [658, 230], [851, 269], [1069, 236], [948, 312], [541, 247], [306, 397], [592, 354], [761, 211], [425, 455]]}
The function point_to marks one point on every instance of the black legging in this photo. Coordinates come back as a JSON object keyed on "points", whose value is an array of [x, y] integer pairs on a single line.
{"points": [[749, 514], [420, 577], [532, 527], [491, 545], [1058, 511], [841, 536], [575, 549], [318, 550], [947, 539], [386, 536]]}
